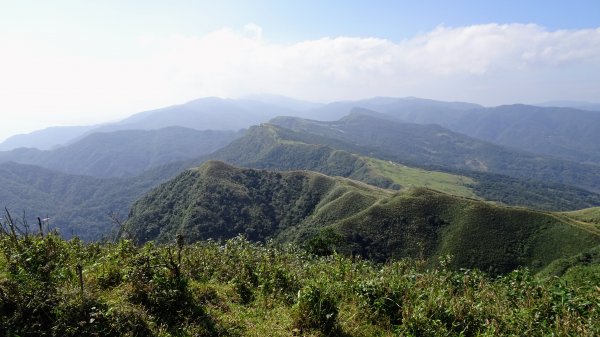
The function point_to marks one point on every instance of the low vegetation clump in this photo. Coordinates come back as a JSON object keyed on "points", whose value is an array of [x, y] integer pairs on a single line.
{"points": [[53, 287]]}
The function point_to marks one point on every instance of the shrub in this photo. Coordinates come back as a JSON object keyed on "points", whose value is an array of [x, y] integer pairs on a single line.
{"points": [[317, 308]]}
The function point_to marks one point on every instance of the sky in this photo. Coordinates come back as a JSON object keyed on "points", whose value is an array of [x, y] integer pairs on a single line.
{"points": [[86, 62]]}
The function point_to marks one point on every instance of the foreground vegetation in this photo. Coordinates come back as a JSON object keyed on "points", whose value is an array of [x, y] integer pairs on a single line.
{"points": [[53, 287]]}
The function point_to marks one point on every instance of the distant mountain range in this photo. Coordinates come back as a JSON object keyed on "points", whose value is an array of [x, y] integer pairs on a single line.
{"points": [[46, 139], [124, 153], [209, 113], [562, 132], [581, 105]]}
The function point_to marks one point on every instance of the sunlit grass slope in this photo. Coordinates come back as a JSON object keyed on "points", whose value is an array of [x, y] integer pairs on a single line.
{"points": [[219, 201]]}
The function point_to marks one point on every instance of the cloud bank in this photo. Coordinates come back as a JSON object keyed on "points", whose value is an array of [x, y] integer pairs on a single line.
{"points": [[490, 64]]}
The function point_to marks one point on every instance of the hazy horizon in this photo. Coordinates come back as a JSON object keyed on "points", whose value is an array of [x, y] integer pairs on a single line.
{"points": [[81, 63]]}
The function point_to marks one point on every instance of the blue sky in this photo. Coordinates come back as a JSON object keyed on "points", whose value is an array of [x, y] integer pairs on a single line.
{"points": [[81, 62], [287, 21]]}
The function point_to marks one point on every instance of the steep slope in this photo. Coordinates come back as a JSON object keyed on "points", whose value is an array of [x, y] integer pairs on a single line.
{"points": [[220, 201], [76, 205], [124, 153], [432, 145]]}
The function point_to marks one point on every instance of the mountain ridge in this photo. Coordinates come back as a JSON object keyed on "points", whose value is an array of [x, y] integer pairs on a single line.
{"points": [[124, 153], [221, 201]]}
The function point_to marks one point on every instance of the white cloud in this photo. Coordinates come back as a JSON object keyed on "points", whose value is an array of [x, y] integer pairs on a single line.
{"points": [[490, 64]]}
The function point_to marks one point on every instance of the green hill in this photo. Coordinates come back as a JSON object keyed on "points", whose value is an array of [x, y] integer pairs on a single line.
{"points": [[588, 215], [270, 147], [80, 205], [432, 145], [273, 147], [219, 201]]}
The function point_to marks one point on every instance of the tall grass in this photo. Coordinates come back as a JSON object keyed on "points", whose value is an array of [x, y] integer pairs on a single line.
{"points": [[53, 287]]}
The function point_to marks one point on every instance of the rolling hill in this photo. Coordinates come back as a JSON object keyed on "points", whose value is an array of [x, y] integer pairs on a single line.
{"points": [[80, 205], [220, 201], [269, 146], [435, 146]]}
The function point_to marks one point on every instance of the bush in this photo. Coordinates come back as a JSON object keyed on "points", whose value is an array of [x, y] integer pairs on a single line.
{"points": [[317, 309]]}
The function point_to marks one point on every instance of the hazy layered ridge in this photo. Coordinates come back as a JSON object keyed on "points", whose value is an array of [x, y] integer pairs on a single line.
{"points": [[210, 113], [570, 132], [565, 132], [124, 153], [45, 139]]}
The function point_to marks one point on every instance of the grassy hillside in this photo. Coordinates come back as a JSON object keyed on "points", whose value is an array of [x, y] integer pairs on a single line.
{"points": [[588, 215], [414, 177], [220, 201], [273, 147], [432, 145], [52, 287], [124, 153]]}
